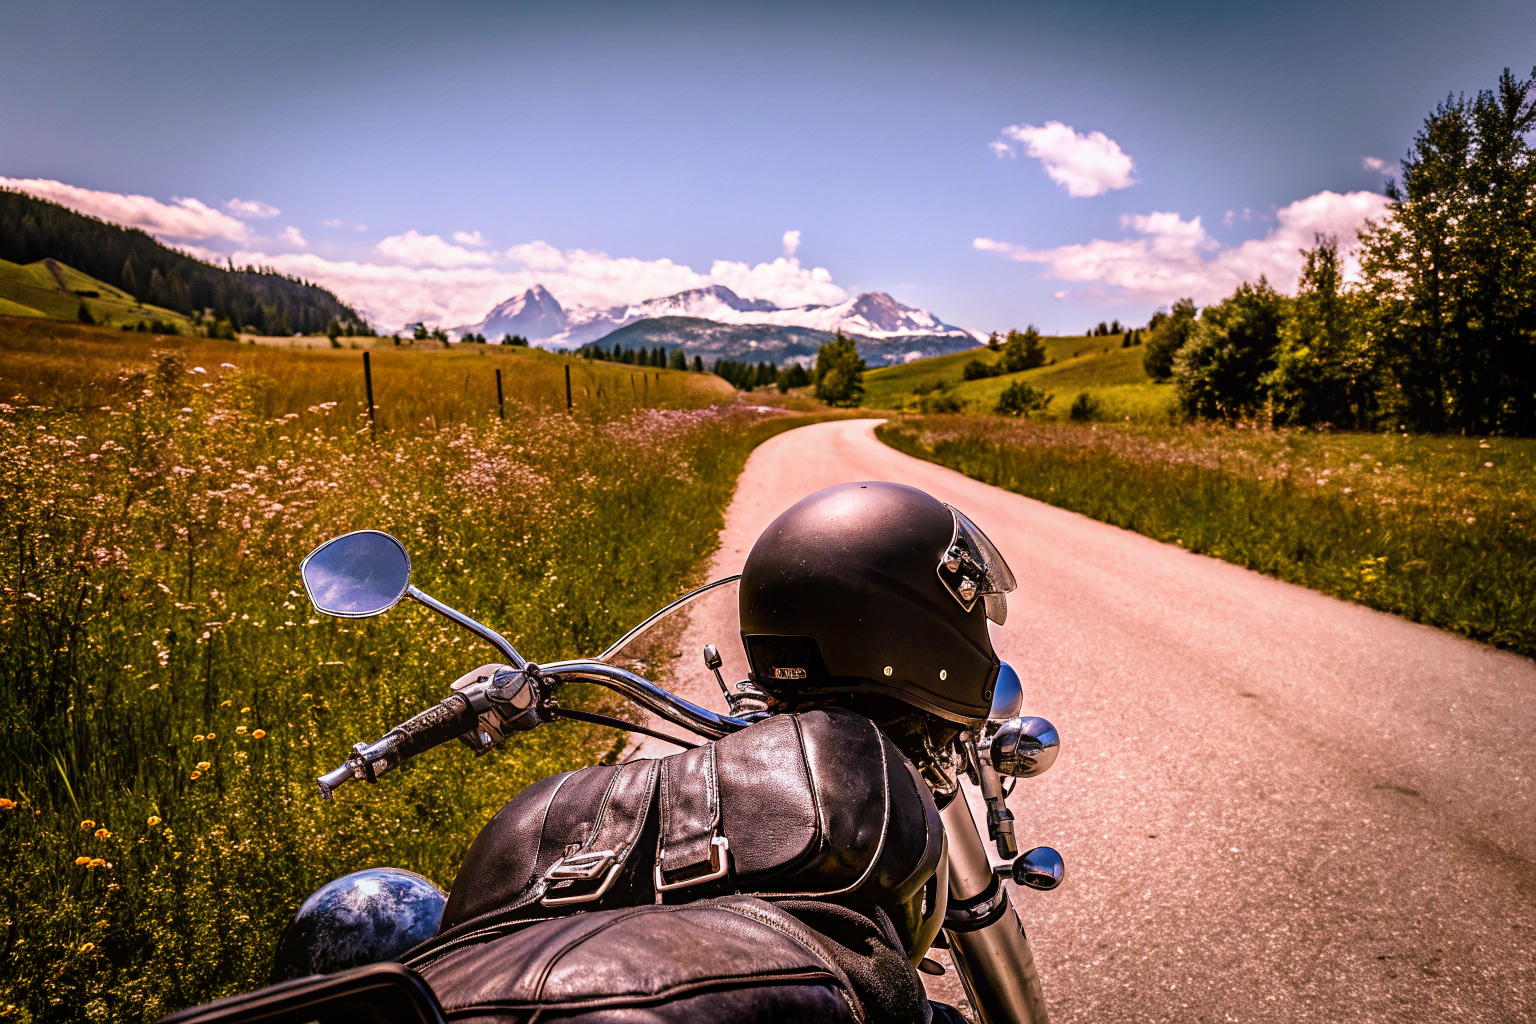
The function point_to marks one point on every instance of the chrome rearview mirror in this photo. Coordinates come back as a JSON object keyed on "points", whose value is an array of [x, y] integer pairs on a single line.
{"points": [[357, 575], [1007, 694]]}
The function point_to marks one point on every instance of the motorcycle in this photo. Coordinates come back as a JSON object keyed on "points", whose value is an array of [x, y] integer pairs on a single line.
{"points": [[366, 573]]}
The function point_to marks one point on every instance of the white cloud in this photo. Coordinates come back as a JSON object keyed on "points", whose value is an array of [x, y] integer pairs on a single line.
{"points": [[292, 236], [333, 223], [784, 281], [791, 242], [180, 218], [468, 238], [253, 209], [1088, 165], [1175, 257], [429, 251], [1375, 163]]}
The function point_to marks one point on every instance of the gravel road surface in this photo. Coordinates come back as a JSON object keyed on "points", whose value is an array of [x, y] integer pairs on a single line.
{"points": [[1273, 805]]}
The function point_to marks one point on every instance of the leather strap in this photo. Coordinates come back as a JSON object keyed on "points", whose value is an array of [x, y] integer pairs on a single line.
{"points": [[690, 849], [586, 873]]}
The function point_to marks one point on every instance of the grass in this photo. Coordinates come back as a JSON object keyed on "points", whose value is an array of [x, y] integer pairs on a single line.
{"points": [[1098, 366], [166, 694], [1435, 529], [50, 288]]}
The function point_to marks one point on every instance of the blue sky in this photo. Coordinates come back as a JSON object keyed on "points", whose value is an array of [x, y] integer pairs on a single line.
{"points": [[640, 146]]}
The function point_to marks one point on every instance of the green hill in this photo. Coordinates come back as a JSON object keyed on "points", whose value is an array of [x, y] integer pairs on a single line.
{"points": [[129, 264], [1111, 375], [52, 289]]}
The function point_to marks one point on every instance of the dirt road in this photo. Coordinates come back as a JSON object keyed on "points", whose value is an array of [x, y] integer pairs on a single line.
{"points": [[1273, 805]]}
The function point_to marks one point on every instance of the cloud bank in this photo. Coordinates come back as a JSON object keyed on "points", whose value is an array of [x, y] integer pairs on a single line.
{"points": [[1088, 165], [185, 219], [1173, 257]]}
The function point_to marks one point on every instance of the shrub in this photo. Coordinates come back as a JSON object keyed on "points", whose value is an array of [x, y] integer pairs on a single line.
{"points": [[1023, 351], [978, 370], [1166, 334], [1021, 398], [1219, 372], [1085, 408]]}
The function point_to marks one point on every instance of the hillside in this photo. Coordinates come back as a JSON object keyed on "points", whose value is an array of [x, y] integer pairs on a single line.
{"points": [[776, 343], [1112, 376], [55, 290], [130, 261]]}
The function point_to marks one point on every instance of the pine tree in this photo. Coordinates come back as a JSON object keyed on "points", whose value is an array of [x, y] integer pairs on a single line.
{"points": [[129, 279], [84, 315]]}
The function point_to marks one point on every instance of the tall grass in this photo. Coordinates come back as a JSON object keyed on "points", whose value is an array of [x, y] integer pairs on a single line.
{"points": [[1435, 529], [167, 696]]}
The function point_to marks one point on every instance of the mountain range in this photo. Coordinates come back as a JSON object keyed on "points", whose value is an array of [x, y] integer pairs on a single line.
{"points": [[889, 330]]}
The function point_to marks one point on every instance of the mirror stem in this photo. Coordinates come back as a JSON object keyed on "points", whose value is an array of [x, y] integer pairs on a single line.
{"points": [[485, 633]]}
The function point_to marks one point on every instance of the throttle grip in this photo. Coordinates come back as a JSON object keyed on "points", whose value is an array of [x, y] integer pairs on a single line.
{"points": [[434, 726]]}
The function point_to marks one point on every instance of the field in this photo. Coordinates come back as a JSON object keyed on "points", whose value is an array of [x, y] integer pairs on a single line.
{"points": [[1437, 529], [1098, 366], [49, 288], [167, 694]]}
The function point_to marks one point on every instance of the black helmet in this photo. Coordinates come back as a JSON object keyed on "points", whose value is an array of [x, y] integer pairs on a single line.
{"points": [[875, 588], [361, 918]]}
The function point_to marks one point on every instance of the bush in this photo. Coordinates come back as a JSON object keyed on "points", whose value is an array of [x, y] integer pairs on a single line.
{"points": [[1085, 408], [1023, 351], [1021, 398], [937, 398], [1166, 334], [1220, 370], [978, 370]]}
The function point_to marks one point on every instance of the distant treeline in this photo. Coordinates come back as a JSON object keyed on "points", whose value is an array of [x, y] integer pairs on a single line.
{"points": [[258, 300], [1438, 336], [657, 357]]}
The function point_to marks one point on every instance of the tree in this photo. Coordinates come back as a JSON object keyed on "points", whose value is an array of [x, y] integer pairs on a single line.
{"points": [[1166, 334], [792, 376], [84, 315], [839, 375], [333, 331], [698, 364], [129, 278], [1452, 272], [993, 343], [678, 360], [1023, 350], [1324, 372], [1219, 372]]}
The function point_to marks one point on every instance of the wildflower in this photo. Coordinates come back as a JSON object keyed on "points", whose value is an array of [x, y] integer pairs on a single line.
{"points": [[197, 775], [226, 704], [245, 711], [154, 819], [203, 766], [240, 729], [1488, 465], [198, 738], [259, 734], [102, 833], [87, 825], [87, 947], [96, 862], [212, 735], [7, 804], [81, 862]]}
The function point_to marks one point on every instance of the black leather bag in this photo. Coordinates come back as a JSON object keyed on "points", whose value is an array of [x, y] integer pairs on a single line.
{"points": [[817, 805]]}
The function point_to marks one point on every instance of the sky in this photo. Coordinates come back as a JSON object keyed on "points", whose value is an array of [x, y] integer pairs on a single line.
{"points": [[998, 164]]}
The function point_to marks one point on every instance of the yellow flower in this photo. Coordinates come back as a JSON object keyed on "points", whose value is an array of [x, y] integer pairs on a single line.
{"points": [[212, 735], [97, 862], [198, 738], [203, 766], [102, 833], [87, 947], [245, 711], [259, 734], [81, 862], [87, 825], [10, 805], [227, 703], [197, 775], [240, 729], [154, 819]]}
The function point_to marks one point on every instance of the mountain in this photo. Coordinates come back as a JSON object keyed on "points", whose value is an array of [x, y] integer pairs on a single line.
{"points": [[778, 344], [538, 316], [48, 288], [34, 229]]}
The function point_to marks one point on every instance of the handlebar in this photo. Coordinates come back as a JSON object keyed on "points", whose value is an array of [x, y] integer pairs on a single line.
{"points": [[484, 711]]}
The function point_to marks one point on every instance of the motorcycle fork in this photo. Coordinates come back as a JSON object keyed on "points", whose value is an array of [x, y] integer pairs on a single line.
{"points": [[994, 961]]}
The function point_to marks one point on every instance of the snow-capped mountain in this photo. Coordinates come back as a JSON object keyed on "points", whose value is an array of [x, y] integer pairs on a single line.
{"points": [[538, 316]]}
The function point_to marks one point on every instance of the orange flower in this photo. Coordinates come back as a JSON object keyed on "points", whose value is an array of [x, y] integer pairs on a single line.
{"points": [[203, 766], [87, 947], [259, 734], [10, 805], [97, 862], [102, 833], [197, 775], [154, 819], [198, 738], [81, 862], [87, 825], [212, 735]]}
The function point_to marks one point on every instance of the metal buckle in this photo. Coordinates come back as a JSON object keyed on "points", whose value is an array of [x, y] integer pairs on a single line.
{"points": [[719, 862], [582, 867]]}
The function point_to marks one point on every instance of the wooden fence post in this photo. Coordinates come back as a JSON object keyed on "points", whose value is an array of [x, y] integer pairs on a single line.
{"points": [[567, 387], [501, 406], [368, 385]]}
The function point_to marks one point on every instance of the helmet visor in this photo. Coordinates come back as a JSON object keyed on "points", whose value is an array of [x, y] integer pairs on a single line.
{"points": [[972, 567]]}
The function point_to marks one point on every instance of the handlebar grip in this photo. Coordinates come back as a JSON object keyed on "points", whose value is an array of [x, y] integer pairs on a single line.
{"points": [[434, 726]]}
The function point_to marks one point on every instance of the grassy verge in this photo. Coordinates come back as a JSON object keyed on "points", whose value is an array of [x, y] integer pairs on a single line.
{"points": [[1432, 528], [166, 694]]}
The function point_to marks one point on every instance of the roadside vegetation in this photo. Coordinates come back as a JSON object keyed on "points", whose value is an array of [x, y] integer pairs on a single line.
{"points": [[1437, 529], [168, 696]]}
